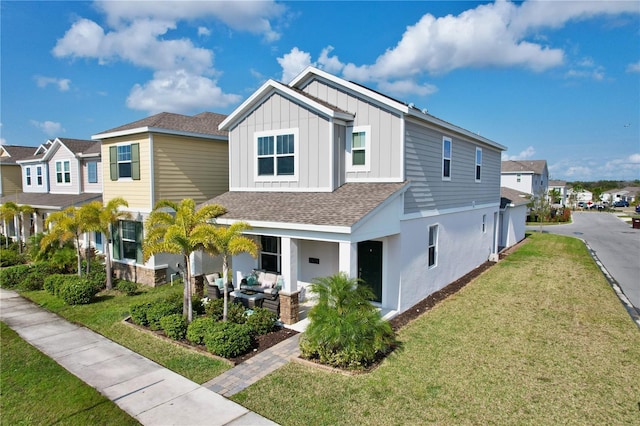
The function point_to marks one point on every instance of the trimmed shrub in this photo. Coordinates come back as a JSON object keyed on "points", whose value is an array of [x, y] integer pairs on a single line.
{"points": [[138, 313], [197, 306], [228, 339], [262, 321], [77, 290], [345, 329], [162, 308], [9, 257], [174, 326], [214, 308], [97, 276], [37, 273], [198, 328], [54, 282], [235, 311], [127, 287], [12, 276]]}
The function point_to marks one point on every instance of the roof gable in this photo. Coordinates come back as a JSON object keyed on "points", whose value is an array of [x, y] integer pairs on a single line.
{"points": [[10, 154], [523, 166]]}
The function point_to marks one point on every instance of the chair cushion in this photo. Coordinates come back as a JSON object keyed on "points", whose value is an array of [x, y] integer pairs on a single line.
{"points": [[211, 278], [220, 283]]}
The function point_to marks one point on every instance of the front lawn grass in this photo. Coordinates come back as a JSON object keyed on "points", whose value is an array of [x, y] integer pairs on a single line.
{"points": [[105, 316], [34, 389], [540, 338]]}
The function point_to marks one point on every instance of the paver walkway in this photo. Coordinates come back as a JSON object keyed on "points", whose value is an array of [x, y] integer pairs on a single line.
{"points": [[243, 375], [147, 391]]}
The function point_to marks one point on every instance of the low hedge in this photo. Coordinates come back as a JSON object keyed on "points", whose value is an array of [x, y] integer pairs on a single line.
{"points": [[228, 339], [36, 275], [198, 328], [53, 283], [127, 287], [77, 290], [12, 276], [262, 321], [174, 326]]}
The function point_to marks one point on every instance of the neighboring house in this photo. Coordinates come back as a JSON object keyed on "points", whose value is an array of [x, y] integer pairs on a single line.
{"points": [[60, 173], [530, 176], [10, 172], [579, 196], [513, 216], [561, 187], [628, 194], [165, 156], [333, 176]]}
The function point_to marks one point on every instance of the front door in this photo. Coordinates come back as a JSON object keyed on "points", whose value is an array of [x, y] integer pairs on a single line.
{"points": [[370, 266]]}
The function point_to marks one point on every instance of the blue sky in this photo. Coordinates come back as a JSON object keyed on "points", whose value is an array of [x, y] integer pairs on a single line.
{"points": [[553, 80]]}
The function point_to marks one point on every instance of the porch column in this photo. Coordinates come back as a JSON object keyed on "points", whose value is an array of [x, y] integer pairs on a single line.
{"points": [[289, 302], [348, 258], [26, 226], [38, 223]]}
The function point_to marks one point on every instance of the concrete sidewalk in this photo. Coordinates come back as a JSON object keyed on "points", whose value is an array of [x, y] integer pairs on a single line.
{"points": [[147, 391]]}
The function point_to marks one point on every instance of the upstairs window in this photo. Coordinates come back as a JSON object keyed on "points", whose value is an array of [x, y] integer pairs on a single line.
{"points": [[63, 172], [92, 172], [478, 164], [446, 158], [28, 175], [276, 154], [39, 175], [124, 162], [358, 148]]}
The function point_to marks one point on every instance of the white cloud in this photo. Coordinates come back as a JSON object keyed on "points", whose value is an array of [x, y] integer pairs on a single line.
{"points": [[178, 91], [590, 169], [523, 155], [62, 83], [406, 88], [634, 67], [204, 31], [329, 64], [50, 128], [293, 63]]}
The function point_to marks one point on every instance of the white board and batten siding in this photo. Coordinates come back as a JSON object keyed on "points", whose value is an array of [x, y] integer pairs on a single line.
{"points": [[423, 167], [385, 136], [313, 168]]}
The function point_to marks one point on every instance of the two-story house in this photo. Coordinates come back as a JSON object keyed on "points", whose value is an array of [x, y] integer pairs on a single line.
{"points": [[10, 172], [165, 156], [60, 173], [530, 176], [334, 176], [559, 187]]}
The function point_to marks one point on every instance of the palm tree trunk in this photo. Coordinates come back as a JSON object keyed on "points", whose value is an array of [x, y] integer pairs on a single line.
{"points": [[187, 309], [225, 268], [87, 249], [79, 254], [107, 261]]}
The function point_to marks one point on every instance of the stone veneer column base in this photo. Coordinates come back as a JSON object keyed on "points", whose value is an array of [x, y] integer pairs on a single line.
{"points": [[139, 274], [289, 308]]}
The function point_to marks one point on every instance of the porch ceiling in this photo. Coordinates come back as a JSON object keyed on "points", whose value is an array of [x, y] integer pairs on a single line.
{"points": [[343, 207]]}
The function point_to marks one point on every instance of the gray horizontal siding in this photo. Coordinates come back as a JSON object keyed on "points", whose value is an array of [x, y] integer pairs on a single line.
{"points": [[423, 167]]}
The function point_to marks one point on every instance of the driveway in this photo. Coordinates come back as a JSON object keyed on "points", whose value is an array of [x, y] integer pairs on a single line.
{"points": [[615, 243]]}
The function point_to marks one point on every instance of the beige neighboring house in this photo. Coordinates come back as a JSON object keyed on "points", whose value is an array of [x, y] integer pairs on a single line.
{"points": [[60, 173], [530, 176], [10, 172], [165, 156]]}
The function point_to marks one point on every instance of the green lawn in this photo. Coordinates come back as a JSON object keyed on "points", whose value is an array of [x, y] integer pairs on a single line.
{"points": [[105, 316], [34, 389], [538, 339]]}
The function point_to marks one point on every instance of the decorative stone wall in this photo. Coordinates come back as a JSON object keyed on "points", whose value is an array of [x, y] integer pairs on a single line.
{"points": [[138, 274], [289, 307], [197, 286]]}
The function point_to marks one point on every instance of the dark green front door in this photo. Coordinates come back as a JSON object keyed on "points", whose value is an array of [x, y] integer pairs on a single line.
{"points": [[370, 266]]}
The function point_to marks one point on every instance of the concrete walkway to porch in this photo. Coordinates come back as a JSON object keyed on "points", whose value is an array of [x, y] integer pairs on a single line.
{"points": [[244, 375]]}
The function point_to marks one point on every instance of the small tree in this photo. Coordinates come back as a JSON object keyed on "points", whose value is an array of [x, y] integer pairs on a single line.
{"points": [[229, 241], [539, 205], [554, 194], [11, 210], [179, 228], [64, 226]]}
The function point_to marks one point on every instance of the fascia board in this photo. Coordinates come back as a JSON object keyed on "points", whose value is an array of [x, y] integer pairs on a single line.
{"points": [[289, 226], [161, 130], [310, 71]]}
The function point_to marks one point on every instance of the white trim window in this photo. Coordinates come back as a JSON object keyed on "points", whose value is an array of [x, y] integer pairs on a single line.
{"points": [[359, 148], [63, 172], [478, 164], [433, 246], [276, 155], [39, 175], [124, 161], [270, 253], [447, 147], [92, 172], [28, 176]]}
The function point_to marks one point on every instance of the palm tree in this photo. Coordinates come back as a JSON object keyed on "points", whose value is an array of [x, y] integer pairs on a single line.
{"points": [[10, 210], [65, 225], [179, 228], [229, 241], [103, 219]]}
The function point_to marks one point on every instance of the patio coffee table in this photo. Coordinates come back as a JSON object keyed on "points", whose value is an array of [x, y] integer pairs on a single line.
{"points": [[249, 299]]}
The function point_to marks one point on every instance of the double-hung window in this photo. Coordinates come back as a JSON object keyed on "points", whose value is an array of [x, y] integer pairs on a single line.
{"points": [[270, 253], [359, 150], [124, 161], [92, 172], [39, 175], [63, 171], [433, 246], [446, 158], [127, 241], [478, 164], [276, 154], [28, 175]]}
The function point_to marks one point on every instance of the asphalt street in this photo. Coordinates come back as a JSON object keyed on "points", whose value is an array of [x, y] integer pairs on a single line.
{"points": [[614, 242]]}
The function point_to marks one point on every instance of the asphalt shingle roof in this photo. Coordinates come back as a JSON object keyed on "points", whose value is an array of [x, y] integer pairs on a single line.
{"points": [[535, 166], [511, 196], [17, 153], [203, 123], [343, 207], [42, 200], [81, 146]]}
